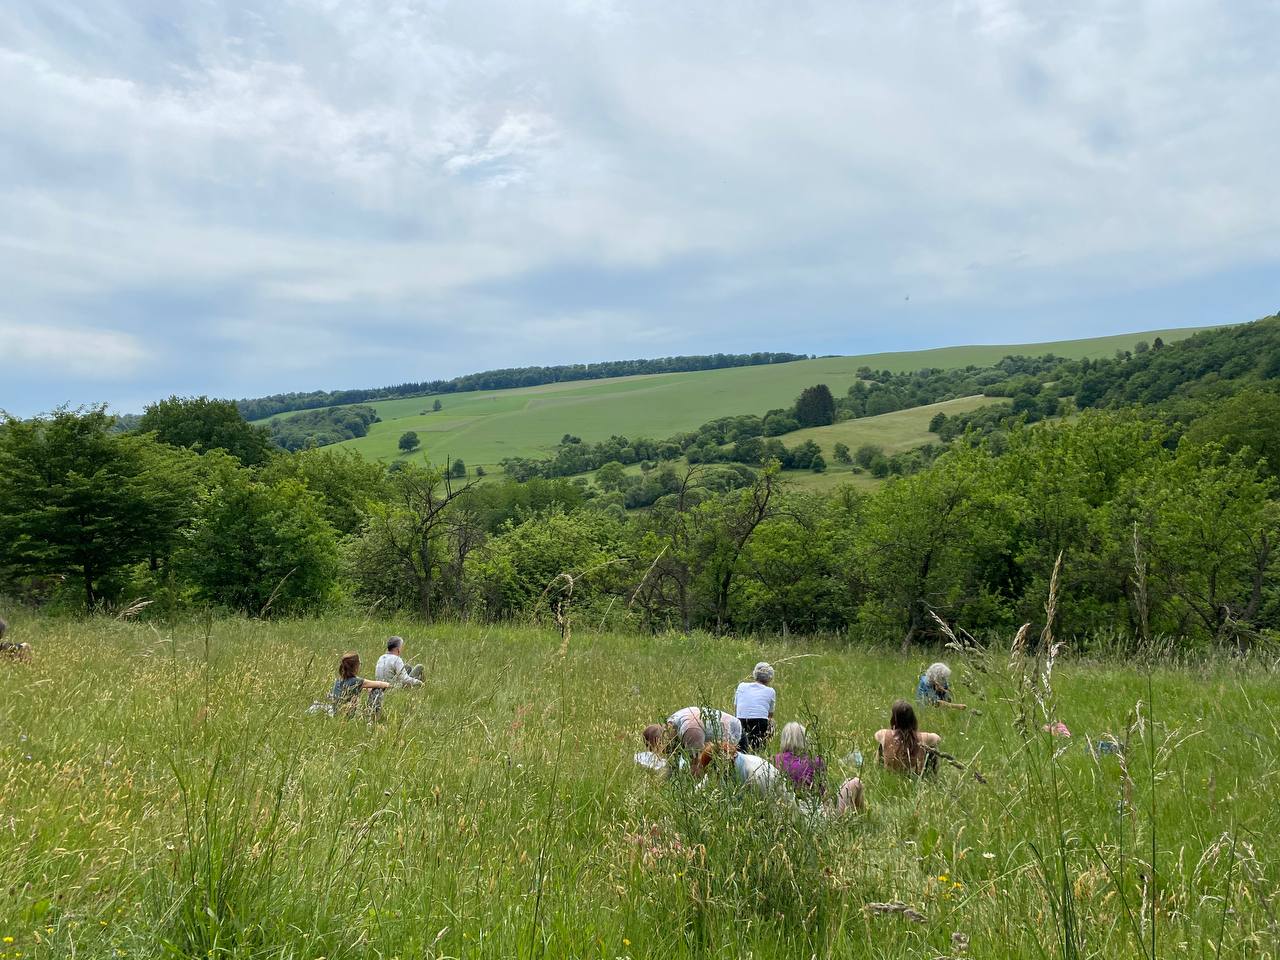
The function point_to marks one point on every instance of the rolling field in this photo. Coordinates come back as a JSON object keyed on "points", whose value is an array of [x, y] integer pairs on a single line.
{"points": [[483, 428], [167, 795]]}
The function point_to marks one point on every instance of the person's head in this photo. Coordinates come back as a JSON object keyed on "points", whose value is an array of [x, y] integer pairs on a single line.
{"points": [[902, 717], [349, 666], [709, 754], [793, 739], [939, 675], [763, 673], [653, 736], [395, 645]]}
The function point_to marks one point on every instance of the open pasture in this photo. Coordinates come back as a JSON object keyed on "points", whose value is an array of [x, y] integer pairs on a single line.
{"points": [[484, 427], [166, 794]]}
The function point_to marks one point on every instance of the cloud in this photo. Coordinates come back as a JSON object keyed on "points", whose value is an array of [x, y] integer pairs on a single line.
{"points": [[69, 352], [398, 181]]}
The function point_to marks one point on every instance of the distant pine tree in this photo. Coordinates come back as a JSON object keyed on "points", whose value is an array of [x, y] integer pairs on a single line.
{"points": [[815, 407]]}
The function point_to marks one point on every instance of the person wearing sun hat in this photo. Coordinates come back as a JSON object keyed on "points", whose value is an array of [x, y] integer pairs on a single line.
{"points": [[753, 703]]}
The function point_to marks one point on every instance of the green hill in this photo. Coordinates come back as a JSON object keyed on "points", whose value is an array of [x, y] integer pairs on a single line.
{"points": [[484, 427]]}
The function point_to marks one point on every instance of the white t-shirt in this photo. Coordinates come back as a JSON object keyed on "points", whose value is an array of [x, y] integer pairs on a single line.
{"points": [[754, 701], [391, 669], [730, 728], [758, 773], [647, 758]]}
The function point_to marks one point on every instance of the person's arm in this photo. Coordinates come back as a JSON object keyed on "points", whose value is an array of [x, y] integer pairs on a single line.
{"points": [[375, 685], [403, 675], [950, 705]]}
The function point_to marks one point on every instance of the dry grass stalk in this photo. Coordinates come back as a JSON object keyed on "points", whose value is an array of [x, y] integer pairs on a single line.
{"points": [[898, 907], [135, 608]]}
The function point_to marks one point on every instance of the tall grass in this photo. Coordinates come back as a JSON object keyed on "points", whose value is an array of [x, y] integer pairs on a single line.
{"points": [[165, 793]]}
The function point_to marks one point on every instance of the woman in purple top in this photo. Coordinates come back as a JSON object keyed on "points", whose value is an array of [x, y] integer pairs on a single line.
{"points": [[807, 772], [798, 765]]}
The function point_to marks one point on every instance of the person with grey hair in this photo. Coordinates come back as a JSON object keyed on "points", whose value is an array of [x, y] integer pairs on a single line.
{"points": [[934, 687], [753, 704], [391, 667], [391, 670]]}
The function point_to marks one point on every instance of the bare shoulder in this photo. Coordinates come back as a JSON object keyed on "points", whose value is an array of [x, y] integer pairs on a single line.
{"points": [[882, 736], [930, 739]]}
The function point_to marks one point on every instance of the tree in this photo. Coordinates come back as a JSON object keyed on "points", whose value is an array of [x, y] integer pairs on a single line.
{"points": [[724, 526], [437, 406], [1209, 524], [403, 539], [519, 568], [480, 472], [77, 500], [818, 464], [201, 424], [261, 547], [937, 422], [345, 482], [866, 454], [612, 476], [408, 441], [459, 469], [815, 407], [1141, 347], [927, 541], [840, 453], [1247, 421]]}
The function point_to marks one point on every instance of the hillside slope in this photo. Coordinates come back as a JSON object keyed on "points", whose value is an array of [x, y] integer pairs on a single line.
{"points": [[484, 427]]}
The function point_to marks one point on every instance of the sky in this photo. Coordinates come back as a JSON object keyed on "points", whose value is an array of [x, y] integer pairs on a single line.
{"points": [[243, 198]]}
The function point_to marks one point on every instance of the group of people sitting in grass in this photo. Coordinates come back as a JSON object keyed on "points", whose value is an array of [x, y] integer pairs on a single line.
{"points": [[697, 739], [390, 671]]}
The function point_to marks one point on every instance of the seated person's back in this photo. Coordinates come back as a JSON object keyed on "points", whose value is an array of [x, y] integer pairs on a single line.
{"points": [[902, 746]]}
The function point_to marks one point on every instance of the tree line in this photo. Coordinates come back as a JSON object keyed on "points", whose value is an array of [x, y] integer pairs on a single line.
{"points": [[1158, 536]]}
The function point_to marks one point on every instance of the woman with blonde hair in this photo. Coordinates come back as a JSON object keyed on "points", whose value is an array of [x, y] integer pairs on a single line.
{"points": [[806, 771]]}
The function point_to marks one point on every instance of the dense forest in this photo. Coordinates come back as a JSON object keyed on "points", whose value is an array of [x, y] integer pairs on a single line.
{"points": [[1159, 494], [262, 407]]}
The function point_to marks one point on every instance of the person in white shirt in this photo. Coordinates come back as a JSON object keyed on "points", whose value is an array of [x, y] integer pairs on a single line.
{"points": [[391, 669], [754, 773], [753, 703], [694, 726]]}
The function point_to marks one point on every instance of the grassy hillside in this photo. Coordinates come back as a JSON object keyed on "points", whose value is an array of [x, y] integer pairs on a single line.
{"points": [[484, 427], [188, 807]]}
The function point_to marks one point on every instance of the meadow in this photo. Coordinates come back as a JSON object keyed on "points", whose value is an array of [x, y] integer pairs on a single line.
{"points": [[484, 427], [166, 794]]}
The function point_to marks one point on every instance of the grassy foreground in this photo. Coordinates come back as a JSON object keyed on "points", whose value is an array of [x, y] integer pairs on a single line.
{"points": [[165, 794]]}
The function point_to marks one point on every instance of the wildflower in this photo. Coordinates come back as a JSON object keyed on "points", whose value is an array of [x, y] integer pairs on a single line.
{"points": [[8, 939], [626, 942], [943, 878]]}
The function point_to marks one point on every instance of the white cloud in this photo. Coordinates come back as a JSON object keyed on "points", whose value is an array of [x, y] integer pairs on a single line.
{"points": [[426, 167], [36, 351]]}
